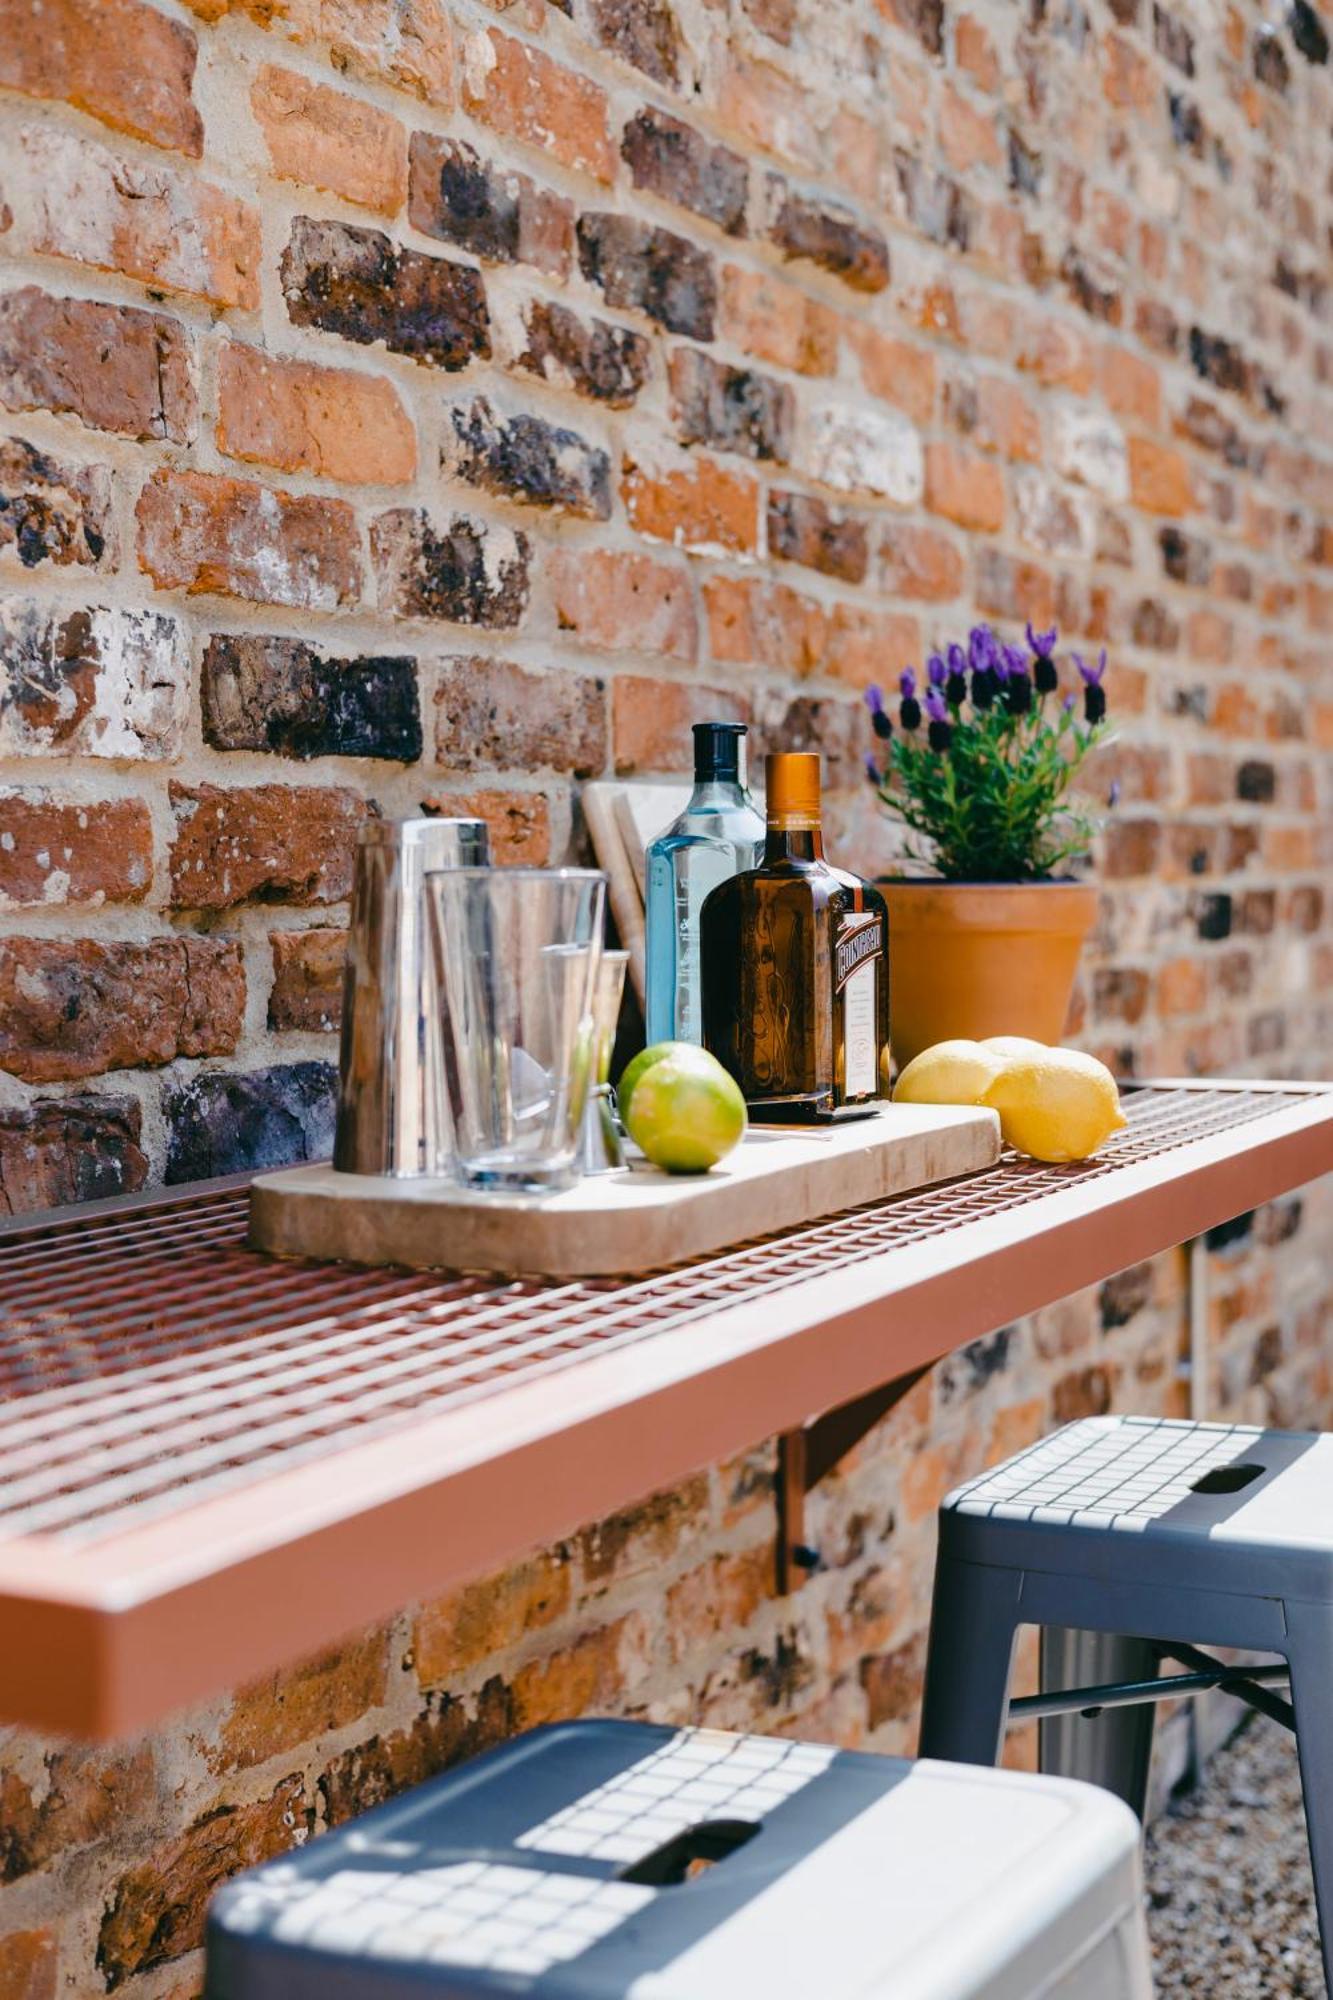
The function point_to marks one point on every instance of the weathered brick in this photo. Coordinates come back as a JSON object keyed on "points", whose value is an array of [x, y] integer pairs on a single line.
{"points": [[125, 62], [671, 159], [698, 505], [52, 1152], [276, 1714], [1159, 478], [895, 371], [642, 32], [527, 459], [609, 364], [472, 572], [261, 692], [612, 602], [76, 1008], [864, 644], [754, 622], [323, 138], [307, 991], [334, 422], [857, 450], [806, 530], [773, 321], [95, 683], [493, 715], [734, 409], [650, 720], [650, 270], [491, 211], [57, 851], [825, 232], [231, 1124], [357, 283], [199, 532], [964, 488], [144, 220], [921, 563], [519, 823], [922, 18], [521, 91], [54, 511], [465, 1628], [29, 1965], [275, 843], [934, 203], [115, 367]]}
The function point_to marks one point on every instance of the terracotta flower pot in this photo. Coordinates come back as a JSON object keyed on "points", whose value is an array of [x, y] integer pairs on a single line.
{"points": [[982, 958]]}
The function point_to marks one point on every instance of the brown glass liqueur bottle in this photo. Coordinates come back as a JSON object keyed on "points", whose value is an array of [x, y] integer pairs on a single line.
{"points": [[795, 968]]}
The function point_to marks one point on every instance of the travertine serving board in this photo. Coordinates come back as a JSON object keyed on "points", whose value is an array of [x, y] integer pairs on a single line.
{"points": [[635, 1220]]}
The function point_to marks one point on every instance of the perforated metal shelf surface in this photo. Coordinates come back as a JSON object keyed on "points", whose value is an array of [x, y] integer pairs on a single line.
{"points": [[175, 1408]]}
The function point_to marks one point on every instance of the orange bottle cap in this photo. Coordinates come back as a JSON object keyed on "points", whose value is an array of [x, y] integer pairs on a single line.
{"points": [[791, 786]]}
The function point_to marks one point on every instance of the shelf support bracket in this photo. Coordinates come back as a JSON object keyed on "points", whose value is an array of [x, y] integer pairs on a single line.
{"points": [[807, 1454]]}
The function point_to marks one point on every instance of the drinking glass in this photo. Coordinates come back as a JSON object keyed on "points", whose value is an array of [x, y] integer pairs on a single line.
{"points": [[516, 956]]}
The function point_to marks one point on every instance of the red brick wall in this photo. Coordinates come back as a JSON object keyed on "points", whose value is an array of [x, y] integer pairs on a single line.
{"points": [[422, 399]]}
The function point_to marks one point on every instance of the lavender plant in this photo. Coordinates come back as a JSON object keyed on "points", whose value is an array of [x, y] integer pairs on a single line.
{"points": [[987, 748]]}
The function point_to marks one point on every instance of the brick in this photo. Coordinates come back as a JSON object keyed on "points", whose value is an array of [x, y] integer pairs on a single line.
{"points": [[827, 233], [650, 270], [775, 322], [865, 643], [334, 422], [526, 459], [671, 159], [95, 683], [325, 139], [276, 1714], [753, 622], [52, 510], [448, 1730], [616, 602], [770, 110], [464, 1629], [651, 720], [144, 220], [1132, 386], [231, 1124], [920, 563], [77, 1795], [156, 1909], [608, 364], [721, 1596], [699, 505], [471, 572], [520, 91], [1051, 517], [116, 368], [922, 18], [895, 371], [590, 1673], [968, 136], [59, 851], [806, 530], [1091, 448], [52, 1152], [263, 692], [199, 532], [494, 715], [856, 450], [964, 488], [127, 63], [734, 409], [360, 285], [275, 843], [75, 1008], [519, 823], [934, 204], [642, 32], [492, 211], [1008, 587], [405, 42], [1159, 478], [29, 1965], [974, 51], [306, 996], [998, 417]]}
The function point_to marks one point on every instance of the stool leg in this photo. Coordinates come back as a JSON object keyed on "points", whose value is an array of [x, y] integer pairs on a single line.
{"points": [[973, 1621], [1113, 1749], [1309, 1653]]}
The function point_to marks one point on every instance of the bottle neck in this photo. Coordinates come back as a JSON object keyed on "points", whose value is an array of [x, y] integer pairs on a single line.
{"points": [[794, 839], [714, 791]]}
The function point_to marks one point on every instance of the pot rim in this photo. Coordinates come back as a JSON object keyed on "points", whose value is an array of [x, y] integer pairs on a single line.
{"points": [[1008, 884]]}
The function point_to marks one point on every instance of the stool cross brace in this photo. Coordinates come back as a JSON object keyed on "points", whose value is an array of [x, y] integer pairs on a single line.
{"points": [[1247, 1684]]}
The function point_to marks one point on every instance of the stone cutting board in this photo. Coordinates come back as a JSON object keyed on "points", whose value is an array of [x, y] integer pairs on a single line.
{"points": [[630, 1221]]}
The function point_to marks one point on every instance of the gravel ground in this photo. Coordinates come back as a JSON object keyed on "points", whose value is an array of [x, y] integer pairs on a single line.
{"points": [[1230, 1902]]}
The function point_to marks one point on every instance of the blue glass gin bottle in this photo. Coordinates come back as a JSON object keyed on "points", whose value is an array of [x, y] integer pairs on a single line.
{"points": [[718, 834]]}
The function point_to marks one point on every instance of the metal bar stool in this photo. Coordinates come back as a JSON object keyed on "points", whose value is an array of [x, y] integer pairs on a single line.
{"points": [[1166, 1537], [604, 1860]]}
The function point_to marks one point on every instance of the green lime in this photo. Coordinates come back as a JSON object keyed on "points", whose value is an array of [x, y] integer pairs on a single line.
{"points": [[645, 1059], [685, 1111]]}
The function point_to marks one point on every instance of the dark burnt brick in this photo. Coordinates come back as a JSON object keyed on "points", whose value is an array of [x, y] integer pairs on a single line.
{"points": [[967, 1371], [1187, 126], [802, 529], [1025, 164], [1266, 1033], [1213, 431], [1172, 39], [1256, 781], [51, 511], [76, 1007], [672, 160], [489, 210], [1084, 1393], [641, 32], [735, 409], [1219, 361], [263, 692], [650, 270], [608, 363], [1185, 558], [922, 18], [934, 204], [1152, 626], [525, 458], [1227, 1235], [469, 571], [260, 1118], [66, 1149], [826, 233], [1121, 1297], [1270, 60], [116, 367], [1308, 31], [1213, 916], [359, 284], [1094, 294], [1126, 12], [494, 715], [1120, 993]]}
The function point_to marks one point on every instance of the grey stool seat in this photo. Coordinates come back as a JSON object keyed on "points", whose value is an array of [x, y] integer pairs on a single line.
{"points": [[1168, 1535], [623, 1861]]}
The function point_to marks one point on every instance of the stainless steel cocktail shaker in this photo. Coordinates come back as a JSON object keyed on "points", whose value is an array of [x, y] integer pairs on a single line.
{"points": [[393, 1108]]}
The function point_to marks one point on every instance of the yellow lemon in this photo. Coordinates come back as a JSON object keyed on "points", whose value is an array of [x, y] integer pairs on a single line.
{"points": [[685, 1111], [1056, 1105], [956, 1072], [1013, 1045]]}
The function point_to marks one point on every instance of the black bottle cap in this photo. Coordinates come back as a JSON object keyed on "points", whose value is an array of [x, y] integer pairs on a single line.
{"points": [[717, 751]]}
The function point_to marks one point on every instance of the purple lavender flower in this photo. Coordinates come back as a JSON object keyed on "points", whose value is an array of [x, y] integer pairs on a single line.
{"points": [[909, 712], [983, 649], [1113, 796], [1094, 694], [1042, 643], [873, 772], [907, 684], [1068, 702], [1090, 676], [1015, 661], [940, 733], [874, 697], [936, 671], [955, 686], [936, 706]]}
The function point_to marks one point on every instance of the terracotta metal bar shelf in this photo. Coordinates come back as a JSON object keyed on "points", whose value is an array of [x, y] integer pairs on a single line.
{"points": [[211, 1462]]}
